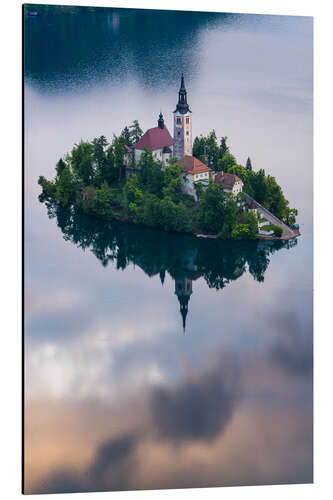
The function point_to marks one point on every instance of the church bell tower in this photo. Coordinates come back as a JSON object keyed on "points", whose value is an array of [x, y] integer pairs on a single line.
{"points": [[182, 124]]}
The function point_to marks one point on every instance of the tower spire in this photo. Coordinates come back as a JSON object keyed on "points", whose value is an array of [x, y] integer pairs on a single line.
{"points": [[183, 290], [182, 106], [160, 120]]}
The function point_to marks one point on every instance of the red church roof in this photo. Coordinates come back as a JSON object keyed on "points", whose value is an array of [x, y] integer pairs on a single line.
{"points": [[155, 138], [192, 165]]}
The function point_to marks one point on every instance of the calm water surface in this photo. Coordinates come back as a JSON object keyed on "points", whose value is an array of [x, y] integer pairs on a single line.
{"points": [[119, 395]]}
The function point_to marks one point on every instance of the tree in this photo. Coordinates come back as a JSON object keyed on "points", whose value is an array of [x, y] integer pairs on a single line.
{"points": [[223, 147], [172, 183], [102, 201], [126, 134], [248, 164], [132, 194], [259, 187], [110, 171], [211, 208], [289, 216], [99, 145], [48, 187], [227, 162], [135, 132], [82, 161], [60, 167], [199, 148], [174, 216], [206, 149], [230, 217], [66, 188], [119, 151], [246, 228]]}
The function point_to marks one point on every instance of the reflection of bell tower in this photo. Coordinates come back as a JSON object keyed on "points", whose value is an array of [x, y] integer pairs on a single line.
{"points": [[183, 290]]}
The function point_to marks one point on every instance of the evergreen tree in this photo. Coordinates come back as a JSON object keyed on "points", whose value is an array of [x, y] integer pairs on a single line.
{"points": [[223, 146], [135, 132], [66, 188], [60, 167], [82, 160], [248, 164], [100, 157], [119, 151], [126, 134]]}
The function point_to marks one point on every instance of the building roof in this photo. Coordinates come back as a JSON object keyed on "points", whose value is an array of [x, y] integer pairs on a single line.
{"points": [[192, 165], [182, 106], [228, 180], [154, 138]]}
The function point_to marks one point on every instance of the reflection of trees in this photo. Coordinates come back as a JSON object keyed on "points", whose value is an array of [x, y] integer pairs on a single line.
{"points": [[155, 252], [184, 257]]}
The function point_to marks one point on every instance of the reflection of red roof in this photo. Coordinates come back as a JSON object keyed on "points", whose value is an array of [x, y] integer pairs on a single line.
{"points": [[155, 138], [193, 165], [228, 180]]}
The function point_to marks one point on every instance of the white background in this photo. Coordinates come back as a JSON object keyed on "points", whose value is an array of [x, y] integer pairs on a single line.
{"points": [[11, 254]]}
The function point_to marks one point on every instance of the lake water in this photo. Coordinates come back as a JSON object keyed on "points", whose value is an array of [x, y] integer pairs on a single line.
{"points": [[155, 360]]}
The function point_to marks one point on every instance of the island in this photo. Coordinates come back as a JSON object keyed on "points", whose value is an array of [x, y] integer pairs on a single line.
{"points": [[153, 179]]}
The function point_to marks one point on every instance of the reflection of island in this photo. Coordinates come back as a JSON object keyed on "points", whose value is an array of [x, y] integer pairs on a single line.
{"points": [[185, 258]]}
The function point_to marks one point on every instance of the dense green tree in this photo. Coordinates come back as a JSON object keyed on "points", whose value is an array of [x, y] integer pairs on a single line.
{"points": [[99, 145], [211, 208], [227, 162], [67, 188], [206, 149], [102, 201], [133, 196], [126, 134], [248, 164], [199, 148], [174, 216], [259, 187], [119, 151], [60, 167], [172, 183], [135, 132], [82, 161], [212, 150], [150, 173], [246, 228], [48, 187], [223, 147], [230, 217], [110, 170], [289, 216]]}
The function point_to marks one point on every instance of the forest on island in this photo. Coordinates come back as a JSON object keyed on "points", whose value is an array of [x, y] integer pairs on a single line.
{"points": [[92, 180]]}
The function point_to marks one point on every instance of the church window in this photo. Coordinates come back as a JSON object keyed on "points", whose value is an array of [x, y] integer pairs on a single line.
{"points": [[187, 132], [179, 120], [187, 120], [178, 132]]}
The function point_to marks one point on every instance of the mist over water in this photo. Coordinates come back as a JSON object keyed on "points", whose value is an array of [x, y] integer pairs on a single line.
{"points": [[117, 395]]}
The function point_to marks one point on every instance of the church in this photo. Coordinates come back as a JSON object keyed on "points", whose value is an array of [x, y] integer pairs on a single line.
{"points": [[164, 146], [159, 140]]}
